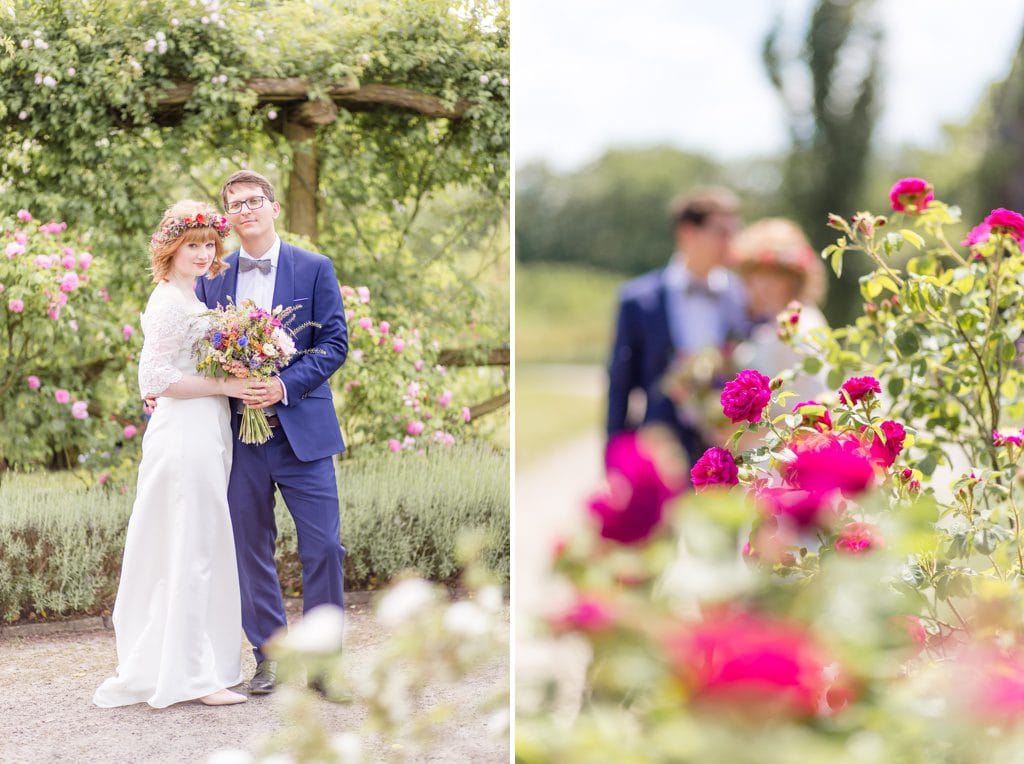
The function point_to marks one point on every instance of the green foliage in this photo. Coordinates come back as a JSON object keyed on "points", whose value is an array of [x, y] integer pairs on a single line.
{"points": [[831, 126], [61, 544]]}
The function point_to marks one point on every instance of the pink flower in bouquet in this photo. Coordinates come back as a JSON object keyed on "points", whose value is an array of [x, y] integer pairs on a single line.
{"points": [[127, 331], [69, 283], [385, 327], [1006, 221], [587, 614], [856, 389], [745, 397], [69, 262], [444, 398], [977, 235], [80, 410], [466, 414], [62, 396], [632, 508], [14, 249], [911, 195], [130, 431], [366, 322], [821, 422], [394, 445], [415, 427], [884, 454], [15, 306], [33, 382], [838, 465], [24, 216], [752, 663], [398, 345], [715, 467], [364, 294], [859, 538]]}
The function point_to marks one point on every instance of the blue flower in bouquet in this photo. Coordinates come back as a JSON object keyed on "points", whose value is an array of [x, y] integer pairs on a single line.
{"points": [[254, 363], [243, 341], [218, 339]]}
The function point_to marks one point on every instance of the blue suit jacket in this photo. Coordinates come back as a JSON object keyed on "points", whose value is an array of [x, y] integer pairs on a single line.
{"points": [[644, 349], [307, 281]]}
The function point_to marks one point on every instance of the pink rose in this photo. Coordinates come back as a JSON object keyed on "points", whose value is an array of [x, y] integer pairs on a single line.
{"points": [[69, 261], [24, 216], [838, 465], [14, 249], [1000, 439], [977, 235], [130, 431], [69, 283], [366, 322], [364, 294], [911, 195], [394, 445], [21, 237], [53, 312], [15, 306], [105, 294], [586, 614], [855, 389], [80, 410], [884, 454], [633, 507], [350, 314], [33, 382], [41, 261], [385, 327], [445, 398], [745, 397], [859, 538], [1001, 220], [414, 427], [418, 365], [398, 345], [811, 418], [127, 331], [62, 395], [61, 298], [466, 414], [347, 291], [103, 478], [752, 662], [715, 467]]}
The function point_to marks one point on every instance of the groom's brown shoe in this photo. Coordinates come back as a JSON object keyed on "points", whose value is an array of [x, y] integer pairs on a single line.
{"points": [[265, 678]]}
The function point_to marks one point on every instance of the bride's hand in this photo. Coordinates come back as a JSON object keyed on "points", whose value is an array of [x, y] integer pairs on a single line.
{"points": [[237, 388]]}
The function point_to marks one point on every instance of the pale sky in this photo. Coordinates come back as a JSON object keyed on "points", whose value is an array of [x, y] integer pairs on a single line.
{"points": [[592, 74]]}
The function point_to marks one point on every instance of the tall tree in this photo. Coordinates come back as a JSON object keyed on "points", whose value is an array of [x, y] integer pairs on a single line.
{"points": [[1000, 178], [830, 91]]}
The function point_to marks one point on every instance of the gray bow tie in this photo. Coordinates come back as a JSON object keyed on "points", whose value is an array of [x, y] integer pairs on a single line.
{"points": [[246, 264]]}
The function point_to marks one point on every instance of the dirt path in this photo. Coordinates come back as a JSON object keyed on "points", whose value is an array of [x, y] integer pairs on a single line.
{"points": [[46, 715]]}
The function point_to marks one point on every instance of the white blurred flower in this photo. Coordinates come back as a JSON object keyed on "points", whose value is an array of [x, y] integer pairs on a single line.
{"points": [[348, 746], [230, 756], [71, 71], [271, 114], [174, 22], [366, 58], [490, 598], [25, 43], [205, 19], [39, 79], [260, 35], [504, 81], [22, 114], [49, 81], [150, 45], [484, 79], [269, 350], [403, 601], [41, 44], [160, 36], [467, 618], [497, 723], [320, 632]]}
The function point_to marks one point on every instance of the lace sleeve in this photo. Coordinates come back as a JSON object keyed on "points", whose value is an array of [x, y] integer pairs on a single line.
{"points": [[165, 331]]}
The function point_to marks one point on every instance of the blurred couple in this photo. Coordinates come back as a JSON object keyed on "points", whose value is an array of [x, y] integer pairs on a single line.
{"points": [[682, 330], [199, 553]]}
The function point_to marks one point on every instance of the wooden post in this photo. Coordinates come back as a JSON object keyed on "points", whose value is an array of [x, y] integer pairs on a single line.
{"points": [[303, 198]]}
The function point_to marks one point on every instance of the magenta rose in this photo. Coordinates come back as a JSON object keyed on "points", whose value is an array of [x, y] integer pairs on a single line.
{"points": [[1000, 439], [884, 454], [820, 422], [805, 509], [1006, 221], [977, 235], [855, 389], [859, 538], [911, 195], [587, 614], [715, 467], [633, 507], [838, 465], [745, 397]]}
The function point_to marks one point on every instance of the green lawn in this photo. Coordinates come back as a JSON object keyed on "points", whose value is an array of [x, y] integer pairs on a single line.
{"points": [[549, 411], [564, 313]]}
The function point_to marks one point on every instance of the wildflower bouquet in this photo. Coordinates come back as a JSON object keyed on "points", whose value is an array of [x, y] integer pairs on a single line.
{"points": [[249, 343]]}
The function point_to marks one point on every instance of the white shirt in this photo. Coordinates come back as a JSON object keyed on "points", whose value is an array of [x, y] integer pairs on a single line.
{"points": [[259, 287], [695, 317]]}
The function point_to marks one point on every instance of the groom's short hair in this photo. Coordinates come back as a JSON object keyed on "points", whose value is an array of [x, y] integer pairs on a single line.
{"points": [[247, 177]]}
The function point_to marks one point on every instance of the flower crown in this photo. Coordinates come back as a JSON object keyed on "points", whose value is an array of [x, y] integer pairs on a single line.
{"points": [[177, 226]]}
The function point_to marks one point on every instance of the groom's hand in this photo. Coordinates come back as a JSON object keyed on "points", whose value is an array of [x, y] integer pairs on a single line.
{"points": [[266, 393]]}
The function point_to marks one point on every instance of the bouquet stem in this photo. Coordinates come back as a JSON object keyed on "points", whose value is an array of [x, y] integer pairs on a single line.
{"points": [[254, 429]]}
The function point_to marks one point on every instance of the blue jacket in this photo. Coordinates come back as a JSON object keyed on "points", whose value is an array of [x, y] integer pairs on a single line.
{"points": [[307, 281]]}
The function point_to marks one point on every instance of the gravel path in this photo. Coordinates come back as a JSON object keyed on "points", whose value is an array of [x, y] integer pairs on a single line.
{"points": [[46, 683]]}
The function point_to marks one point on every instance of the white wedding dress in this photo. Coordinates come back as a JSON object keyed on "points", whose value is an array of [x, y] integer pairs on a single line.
{"points": [[177, 618]]}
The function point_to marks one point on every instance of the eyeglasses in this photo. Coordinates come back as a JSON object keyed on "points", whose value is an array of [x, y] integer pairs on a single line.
{"points": [[252, 203]]}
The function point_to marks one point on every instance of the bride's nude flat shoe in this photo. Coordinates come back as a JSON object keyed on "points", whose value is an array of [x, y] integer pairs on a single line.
{"points": [[222, 698]]}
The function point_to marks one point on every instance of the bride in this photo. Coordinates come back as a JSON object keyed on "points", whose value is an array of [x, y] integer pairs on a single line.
{"points": [[177, 615]]}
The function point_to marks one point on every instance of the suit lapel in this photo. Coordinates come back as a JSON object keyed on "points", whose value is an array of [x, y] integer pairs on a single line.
{"points": [[284, 284], [663, 321]]}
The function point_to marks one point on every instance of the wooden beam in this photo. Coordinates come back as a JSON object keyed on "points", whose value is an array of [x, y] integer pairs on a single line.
{"points": [[472, 357], [491, 404]]}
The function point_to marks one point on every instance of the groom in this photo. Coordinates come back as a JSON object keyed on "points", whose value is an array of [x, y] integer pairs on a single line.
{"points": [[298, 459]]}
